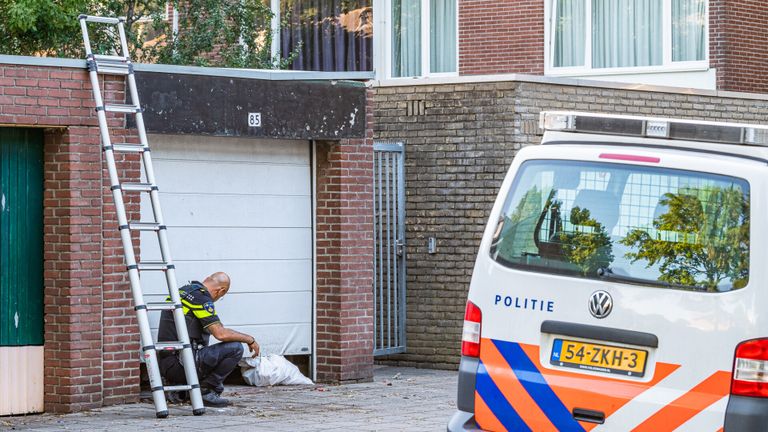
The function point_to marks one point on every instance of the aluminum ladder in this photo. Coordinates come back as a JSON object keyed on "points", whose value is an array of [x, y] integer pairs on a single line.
{"points": [[119, 63]]}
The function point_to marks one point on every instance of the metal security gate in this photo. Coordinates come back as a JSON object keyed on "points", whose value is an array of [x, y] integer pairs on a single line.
{"points": [[389, 250]]}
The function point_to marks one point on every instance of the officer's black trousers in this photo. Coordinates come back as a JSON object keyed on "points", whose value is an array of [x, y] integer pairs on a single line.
{"points": [[214, 364]]}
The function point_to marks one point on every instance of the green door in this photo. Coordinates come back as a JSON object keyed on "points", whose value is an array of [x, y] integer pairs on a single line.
{"points": [[21, 237]]}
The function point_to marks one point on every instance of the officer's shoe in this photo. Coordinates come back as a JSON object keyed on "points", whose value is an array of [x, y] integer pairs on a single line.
{"points": [[213, 399]]}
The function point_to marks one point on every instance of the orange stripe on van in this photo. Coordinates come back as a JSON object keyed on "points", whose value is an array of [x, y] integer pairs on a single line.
{"points": [[513, 391], [606, 394], [682, 409], [720, 430], [485, 417]]}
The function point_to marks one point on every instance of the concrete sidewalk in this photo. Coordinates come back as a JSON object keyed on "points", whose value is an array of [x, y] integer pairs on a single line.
{"points": [[399, 399]]}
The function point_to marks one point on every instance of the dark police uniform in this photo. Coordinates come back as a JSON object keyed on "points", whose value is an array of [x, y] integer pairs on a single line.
{"points": [[214, 362]]}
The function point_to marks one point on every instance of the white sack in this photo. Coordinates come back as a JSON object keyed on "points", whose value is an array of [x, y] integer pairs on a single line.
{"points": [[271, 369]]}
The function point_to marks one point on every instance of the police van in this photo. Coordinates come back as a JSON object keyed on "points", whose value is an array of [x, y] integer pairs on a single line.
{"points": [[620, 284]]}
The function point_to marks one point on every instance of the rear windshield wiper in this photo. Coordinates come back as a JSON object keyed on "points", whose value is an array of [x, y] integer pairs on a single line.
{"points": [[607, 273]]}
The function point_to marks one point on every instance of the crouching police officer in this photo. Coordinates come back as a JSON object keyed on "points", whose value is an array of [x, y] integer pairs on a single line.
{"points": [[214, 362]]}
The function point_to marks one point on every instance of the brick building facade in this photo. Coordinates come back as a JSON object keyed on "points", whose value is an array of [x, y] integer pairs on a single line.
{"points": [[89, 352], [459, 146], [458, 151], [91, 338], [513, 40], [738, 43], [513, 43]]}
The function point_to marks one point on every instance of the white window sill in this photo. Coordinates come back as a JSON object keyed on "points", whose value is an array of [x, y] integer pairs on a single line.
{"points": [[701, 78], [419, 77], [583, 72]]}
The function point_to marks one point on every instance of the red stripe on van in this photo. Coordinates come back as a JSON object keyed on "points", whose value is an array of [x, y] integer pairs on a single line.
{"points": [[684, 408], [606, 394], [629, 157]]}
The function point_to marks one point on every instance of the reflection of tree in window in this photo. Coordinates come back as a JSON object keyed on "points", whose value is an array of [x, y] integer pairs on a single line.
{"points": [[330, 35], [511, 237], [701, 241], [587, 244]]}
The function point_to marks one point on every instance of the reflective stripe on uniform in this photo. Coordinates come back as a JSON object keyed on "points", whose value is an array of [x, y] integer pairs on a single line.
{"points": [[198, 310]]}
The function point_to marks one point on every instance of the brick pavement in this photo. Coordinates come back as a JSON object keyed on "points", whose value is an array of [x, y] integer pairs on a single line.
{"points": [[398, 399]]}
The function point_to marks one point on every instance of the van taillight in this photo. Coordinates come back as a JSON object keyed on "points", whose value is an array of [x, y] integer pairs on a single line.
{"points": [[470, 338], [750, 369]]}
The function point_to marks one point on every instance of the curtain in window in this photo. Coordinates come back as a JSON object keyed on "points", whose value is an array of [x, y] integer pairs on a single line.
{"points": [[442, 32], [570, 33], [626, 33], [688, 30], [329, 35], [406, 38]]}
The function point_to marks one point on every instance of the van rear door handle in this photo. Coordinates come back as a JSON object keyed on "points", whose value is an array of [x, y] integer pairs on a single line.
{"points": [[587, 415]]}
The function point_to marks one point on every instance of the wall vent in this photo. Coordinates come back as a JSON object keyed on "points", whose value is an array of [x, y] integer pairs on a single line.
{"points": [[415, 108]]}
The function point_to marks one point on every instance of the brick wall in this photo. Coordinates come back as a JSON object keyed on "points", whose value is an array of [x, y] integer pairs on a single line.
{"points": [[457, 154], [344, 258], [507, 36], [73, 273], [82, 287], [739, 44], [504, 36]]}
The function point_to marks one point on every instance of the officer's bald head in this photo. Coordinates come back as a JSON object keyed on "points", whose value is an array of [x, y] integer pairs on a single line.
{"points": [[217, 284]]}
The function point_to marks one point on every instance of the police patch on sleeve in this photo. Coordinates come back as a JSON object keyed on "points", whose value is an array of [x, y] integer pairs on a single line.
{"points": [[209, 308]]}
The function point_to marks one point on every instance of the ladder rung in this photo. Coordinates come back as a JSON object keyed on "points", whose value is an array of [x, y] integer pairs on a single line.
{"points": [[144, 226], [129, 148], [113, 70], [169, 346], [98, 19], [121, 108], [177, 388], [160, 306], [137, 187], [152, 266], [112, 58]]}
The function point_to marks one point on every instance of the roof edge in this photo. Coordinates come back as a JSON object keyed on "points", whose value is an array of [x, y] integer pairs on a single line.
{"points": [[577, 82], [263, 74]]}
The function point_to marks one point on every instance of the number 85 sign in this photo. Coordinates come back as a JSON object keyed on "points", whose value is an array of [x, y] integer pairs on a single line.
{"points": [[254, 119]]}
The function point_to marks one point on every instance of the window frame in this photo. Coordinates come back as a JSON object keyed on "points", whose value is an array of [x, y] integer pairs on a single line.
{"points": [[667, 65], [382, 42], [753, 238]]}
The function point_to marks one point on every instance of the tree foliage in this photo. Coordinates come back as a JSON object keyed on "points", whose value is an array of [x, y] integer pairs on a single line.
{"points": [[588, 245], [41, 27], [229, 33], [711, 227], [220, 33]]}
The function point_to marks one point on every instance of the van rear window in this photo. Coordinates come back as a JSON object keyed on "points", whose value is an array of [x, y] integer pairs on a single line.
{"points": [[646, 225]]}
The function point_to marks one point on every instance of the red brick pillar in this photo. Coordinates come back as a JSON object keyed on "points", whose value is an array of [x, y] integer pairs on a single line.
{"points": [[73, 270], [345, 258]]}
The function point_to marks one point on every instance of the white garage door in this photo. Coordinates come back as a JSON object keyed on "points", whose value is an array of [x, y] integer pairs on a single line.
{"points": [[242, 206]]}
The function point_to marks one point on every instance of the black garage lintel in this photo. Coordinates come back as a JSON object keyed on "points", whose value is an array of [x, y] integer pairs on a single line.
{"points": [[227, 106]]}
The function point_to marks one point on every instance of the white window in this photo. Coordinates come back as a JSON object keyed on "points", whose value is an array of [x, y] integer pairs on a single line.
{"points": [[412, 37], [421, 38], [614, 36]]}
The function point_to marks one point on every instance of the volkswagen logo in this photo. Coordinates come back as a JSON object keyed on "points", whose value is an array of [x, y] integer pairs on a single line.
{"points": [[600, 304]]}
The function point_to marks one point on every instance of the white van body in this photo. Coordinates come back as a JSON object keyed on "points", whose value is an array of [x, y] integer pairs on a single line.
{"points": [[617, 276]]}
